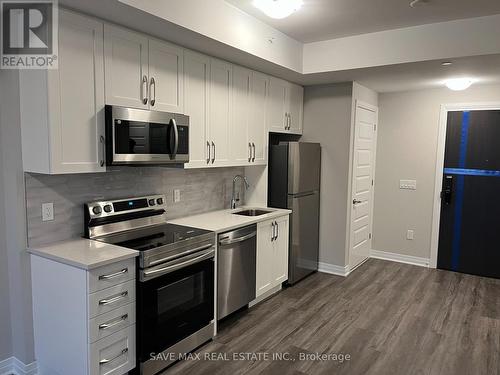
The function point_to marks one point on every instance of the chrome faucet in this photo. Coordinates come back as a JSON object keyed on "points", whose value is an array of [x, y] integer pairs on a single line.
{"points": [[235, 197]]}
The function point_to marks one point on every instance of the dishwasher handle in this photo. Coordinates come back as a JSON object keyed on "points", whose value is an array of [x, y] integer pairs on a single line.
{"points": [[238, 239]]}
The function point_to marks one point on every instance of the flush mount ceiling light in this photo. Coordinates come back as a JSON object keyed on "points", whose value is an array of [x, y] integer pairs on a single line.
{"points": [[458, 84], [278, 8], [446, 63]]}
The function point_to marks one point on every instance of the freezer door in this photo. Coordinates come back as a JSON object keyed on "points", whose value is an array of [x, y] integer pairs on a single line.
{"points": [[304, 235], [304, 166]]}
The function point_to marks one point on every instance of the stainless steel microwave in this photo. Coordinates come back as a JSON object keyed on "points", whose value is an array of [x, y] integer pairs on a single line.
{"points": [[138, 136]]}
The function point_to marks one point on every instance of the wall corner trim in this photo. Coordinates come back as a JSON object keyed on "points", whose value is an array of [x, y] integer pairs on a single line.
{"points": [[400, 258], [333, 269], [14, 366]]}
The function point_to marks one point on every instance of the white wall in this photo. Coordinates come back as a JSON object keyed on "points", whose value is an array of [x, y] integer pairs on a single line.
{"points": [[12, 180], [468, 37], [407, 142], [327, 120]]}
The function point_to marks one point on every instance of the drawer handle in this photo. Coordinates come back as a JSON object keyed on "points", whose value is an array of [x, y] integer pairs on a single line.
{"points": [[113, 323], [113, 275], [104, 361], [113, 300]]}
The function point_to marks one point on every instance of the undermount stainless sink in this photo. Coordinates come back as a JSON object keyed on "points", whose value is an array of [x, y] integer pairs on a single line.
{"points": [[252, 212]]}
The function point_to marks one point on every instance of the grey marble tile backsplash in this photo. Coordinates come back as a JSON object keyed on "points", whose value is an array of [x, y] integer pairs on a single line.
{"points": [[202, 190]]}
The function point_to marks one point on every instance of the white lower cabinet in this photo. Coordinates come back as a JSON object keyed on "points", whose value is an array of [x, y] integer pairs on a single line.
{"points": [[84, 321], [272, 254]]}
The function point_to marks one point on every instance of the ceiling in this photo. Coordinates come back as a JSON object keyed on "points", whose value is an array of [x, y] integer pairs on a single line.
{"points": [[415, 76], [328, 19]]}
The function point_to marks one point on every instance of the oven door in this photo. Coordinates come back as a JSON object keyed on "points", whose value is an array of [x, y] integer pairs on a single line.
{"points": [[176, 304], [145, 137]]}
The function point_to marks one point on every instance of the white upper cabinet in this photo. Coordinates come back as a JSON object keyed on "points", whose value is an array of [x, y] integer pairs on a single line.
{"points": [[142, 72], [277, 105], [165, 77], [126, 64], [62, 110], [220, 112], [285, 110], [196, 91], [241, 147], [296, 109], [257, 131]]}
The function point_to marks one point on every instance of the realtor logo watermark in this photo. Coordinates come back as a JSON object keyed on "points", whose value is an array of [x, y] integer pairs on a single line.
{"points": [[29, 34]]}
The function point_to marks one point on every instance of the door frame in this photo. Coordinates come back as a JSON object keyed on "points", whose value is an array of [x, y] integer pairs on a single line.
{"points": [[375, 109], [438, 182]]}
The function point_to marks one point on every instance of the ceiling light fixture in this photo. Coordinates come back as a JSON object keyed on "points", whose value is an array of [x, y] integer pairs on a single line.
{"points": [[278, 8], [459, 84]]}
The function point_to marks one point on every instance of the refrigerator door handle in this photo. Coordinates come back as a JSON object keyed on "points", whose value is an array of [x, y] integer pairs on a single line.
{"points": [[304, 194]]}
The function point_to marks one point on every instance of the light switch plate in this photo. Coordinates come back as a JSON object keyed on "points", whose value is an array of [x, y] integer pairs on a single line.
{"points": [[47, 211], [408, 184], [177, 195], [410, 234]]}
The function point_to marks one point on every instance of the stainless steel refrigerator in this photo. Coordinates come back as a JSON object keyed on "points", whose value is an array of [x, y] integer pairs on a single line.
{"points": [[294, 181]]}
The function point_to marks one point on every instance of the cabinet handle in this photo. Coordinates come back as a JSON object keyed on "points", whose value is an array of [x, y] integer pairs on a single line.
{"points": [[253, 146], [144, 89], [113, 323], [104, 361], [277, 230], [208, 153], [113, 300], [250, 152], [289, 121], [113, 275], [286, 120], [103, 147], [213, 157], [152, 91], [273, 232]]}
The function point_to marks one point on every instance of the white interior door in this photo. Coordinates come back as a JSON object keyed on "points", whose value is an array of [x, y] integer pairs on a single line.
{"points": [[365, 128]]}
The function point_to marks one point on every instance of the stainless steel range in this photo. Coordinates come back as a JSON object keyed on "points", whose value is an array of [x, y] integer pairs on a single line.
{"points": [[175, 287]]}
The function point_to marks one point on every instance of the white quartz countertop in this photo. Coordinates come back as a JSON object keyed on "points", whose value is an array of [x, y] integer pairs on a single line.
{"points": [[83, 253], [224, 220]]}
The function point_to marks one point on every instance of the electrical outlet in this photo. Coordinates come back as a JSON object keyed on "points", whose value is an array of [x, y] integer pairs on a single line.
{"points": [[408, 184], [410, 234], [47, 211], [177, 195]]}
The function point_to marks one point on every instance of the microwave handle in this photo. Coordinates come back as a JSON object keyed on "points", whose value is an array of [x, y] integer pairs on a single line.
{"points": [[176, 138]]}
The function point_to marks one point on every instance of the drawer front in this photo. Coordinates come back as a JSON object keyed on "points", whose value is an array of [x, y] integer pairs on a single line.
{"points": [[111, 274], [109, 299], [106, 324], [113, 355]]}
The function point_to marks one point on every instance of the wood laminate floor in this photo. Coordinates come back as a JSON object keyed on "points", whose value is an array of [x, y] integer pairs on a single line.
{"points": [[391, 318]]}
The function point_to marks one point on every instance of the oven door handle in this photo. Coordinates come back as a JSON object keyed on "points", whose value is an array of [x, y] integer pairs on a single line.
{"points": [[195, 250], [174, 267]]}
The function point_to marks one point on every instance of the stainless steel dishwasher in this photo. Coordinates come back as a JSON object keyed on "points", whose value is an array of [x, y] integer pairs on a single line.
{"points": [[236, 268]]}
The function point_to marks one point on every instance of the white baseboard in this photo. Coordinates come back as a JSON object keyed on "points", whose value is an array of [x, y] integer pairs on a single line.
{"points": [[400, 258], [13, 366], [333, 269]]}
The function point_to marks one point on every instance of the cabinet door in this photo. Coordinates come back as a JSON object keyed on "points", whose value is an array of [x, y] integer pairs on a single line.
{"points": [[220, 111], [196, 90], [241, 151], [126, 67], [76, 97], [280, 252], [265, 255], [257, 132], [296, 108], [277, 105], [165, 77]]}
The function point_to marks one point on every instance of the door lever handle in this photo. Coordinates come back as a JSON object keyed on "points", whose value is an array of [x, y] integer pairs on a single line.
{"points": [[355, 201]]}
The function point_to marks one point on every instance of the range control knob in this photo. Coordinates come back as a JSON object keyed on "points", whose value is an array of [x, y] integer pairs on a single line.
{"points": [[159, 201], [108, 208], [151, 202], [97, 210]]}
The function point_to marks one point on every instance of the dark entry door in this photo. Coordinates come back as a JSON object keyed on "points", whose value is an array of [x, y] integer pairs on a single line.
{"points": [[470, 200]]}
